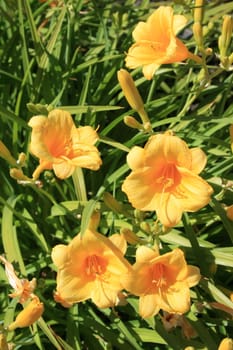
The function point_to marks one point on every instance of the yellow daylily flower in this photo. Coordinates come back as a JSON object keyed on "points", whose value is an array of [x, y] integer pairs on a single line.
{"points": [[61, 146], [165, 178], [23, 288], [161, 281], [90, 267], [226, 344], [156, 42], [29, 315]]}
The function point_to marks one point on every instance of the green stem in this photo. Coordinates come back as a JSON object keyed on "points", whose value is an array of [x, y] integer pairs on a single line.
{"points": [[79, 184]]}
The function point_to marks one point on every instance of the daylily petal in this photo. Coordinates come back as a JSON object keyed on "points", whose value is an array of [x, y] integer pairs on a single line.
{"points": [[63, 169], [167, 147], [176, 52], [142, 32], [196, 191], [88, 160], [139, 179], [103, 296], [179, 22], [178, 297], [148, 306], [149, 70], [119, 241], [161, 19], [84, 133], [135, 157], [144, 53], [199, 160], [137, 281], [58, 255], [170, 210], [75, 291], [145, 254], [193, 275]]}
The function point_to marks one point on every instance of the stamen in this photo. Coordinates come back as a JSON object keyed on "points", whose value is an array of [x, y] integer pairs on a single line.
{"points": [[158, 276], [95, 265]]}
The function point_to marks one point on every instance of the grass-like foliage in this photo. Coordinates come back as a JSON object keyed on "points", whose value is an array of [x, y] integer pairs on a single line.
{"points": [[66, 55]]}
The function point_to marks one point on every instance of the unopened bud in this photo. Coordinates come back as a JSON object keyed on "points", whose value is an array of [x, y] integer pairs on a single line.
{"points": [[230, 59], [229, 212], [6, 154], [21, 159], [132, 123], [94, 220], [198, 11], [29, 315], [225, 38], [208, 51], [145, 226], [132, 95], [130, 236], [197, 26], [18, 174], [198, 34], [39, 108], [112, 203], [129, 89], [226, 344]]}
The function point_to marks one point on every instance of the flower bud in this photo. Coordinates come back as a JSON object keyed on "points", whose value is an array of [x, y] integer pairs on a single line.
{"points": [[5, 154], [94, 220], [21, 159], [198, 34], [112, 203], [39, 108], [132, 95], [29, 315], [130, 236], [197, 26], [18, 174], [229, 212], [198, 11], [133, 123], [225, 38], [129, 89], [226, 344]]}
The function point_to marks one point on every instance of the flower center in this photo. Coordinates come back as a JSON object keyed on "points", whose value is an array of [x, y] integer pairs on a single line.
{"points": [[168, 177], [158, 277], [95, 265]]}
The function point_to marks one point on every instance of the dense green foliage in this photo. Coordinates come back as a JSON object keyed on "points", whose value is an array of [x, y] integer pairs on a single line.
{"points": [[68, 56]]}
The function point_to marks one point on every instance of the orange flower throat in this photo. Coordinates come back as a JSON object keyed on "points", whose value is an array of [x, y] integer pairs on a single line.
{"points": [[158, 274], [168, 177], [95, 265]]}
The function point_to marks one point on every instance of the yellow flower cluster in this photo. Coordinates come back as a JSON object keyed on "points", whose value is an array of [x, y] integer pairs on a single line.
{"points": [[93, 267], [164, 179]]}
